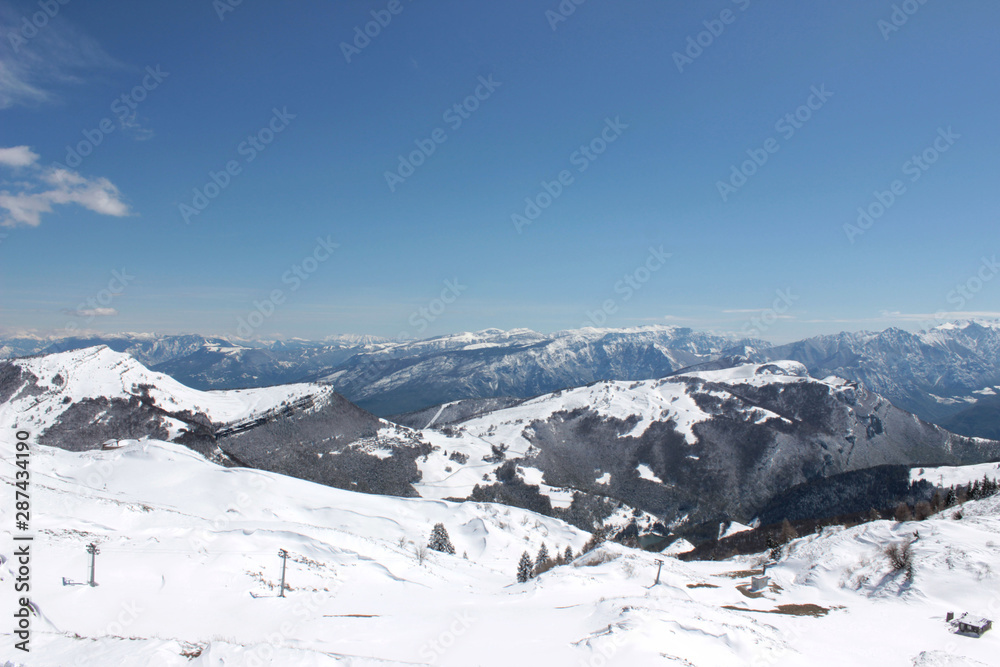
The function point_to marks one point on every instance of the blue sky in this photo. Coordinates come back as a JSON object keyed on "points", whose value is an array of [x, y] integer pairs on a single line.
{"points": [[437, 250]]}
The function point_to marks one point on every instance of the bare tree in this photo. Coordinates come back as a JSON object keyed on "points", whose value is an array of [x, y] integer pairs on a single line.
{"points": [[900, 556]]}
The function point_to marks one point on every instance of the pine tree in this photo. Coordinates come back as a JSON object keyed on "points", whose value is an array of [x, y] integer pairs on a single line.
{"points": [[524, 568], [597, 538], [543, 554], [988, 487], [774, 548], [440, 541], [568, 555], [951, 498]]}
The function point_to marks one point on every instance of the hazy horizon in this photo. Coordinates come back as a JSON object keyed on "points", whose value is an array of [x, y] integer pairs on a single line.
{"points": [[778, 169]]}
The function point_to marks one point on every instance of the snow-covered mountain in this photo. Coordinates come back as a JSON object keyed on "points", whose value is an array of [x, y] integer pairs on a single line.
{"points": [[216, 362], [697, 447], [935, 374], [81, 399], [404, 377], [701, 446], [389, 377], [949, 375], [188, 575]]}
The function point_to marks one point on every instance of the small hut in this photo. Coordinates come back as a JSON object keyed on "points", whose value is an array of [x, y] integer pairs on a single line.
{"points": [[972, 625]]}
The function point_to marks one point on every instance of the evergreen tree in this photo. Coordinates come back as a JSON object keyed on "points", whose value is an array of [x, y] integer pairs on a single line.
{"points": [[543, 554], [524, 568], [568, 555], [988, 487], [774, 548], [597, 538], [951, 498], [440, 541]]}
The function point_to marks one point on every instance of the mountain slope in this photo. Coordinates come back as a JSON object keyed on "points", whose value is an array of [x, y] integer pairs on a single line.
{"points": [[704, 446], [935, 373], [406, 377], [79, 400]]}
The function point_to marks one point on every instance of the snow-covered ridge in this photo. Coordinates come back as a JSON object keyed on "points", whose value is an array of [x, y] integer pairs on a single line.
{"points": [[645, 403], [67, 378]]}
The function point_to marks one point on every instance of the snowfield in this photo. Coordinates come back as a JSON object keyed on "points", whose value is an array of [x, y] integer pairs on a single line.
{"points": [[956, 475], [188, 575]]}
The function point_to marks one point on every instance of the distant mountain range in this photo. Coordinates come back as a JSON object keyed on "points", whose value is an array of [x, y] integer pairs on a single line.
{"points": [[943, 375], [949, 375], [693, 448]]}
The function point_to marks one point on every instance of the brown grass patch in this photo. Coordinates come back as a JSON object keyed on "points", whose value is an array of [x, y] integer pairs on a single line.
{"points": [[813, 610], [739, 574], [753, 595], [702, 585]]}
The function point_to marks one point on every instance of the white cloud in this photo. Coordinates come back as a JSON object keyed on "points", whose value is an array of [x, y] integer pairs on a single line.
{"points": [[23, 202], [15, 87], [18, 156], [92, 312], [55, 55], [949, 315]]}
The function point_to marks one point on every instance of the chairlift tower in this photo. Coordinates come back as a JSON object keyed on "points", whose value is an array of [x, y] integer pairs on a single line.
{"points": [[93, 551]]}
